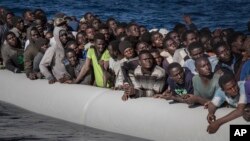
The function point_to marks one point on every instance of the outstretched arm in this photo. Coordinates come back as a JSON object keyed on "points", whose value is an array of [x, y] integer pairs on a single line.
{"points": [[193, 99], [214, 126], [211, 111]]}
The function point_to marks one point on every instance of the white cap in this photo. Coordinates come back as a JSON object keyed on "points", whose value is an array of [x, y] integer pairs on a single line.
{"points": [[152, 30], [163, 31]]}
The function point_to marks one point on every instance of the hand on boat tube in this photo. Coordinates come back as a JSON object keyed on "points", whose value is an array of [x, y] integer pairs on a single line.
{"points": [[65, 79], [190, 99], [213, 127], [165, 95], [52, 81], [39, 75], [211, 118], [129, 91], [32, 76]]}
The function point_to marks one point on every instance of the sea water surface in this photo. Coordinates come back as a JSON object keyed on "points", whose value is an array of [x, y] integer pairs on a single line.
{"points": [[17, 124], [151, 13]]}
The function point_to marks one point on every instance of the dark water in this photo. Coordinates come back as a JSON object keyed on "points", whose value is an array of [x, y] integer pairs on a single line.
{"points": [[17, 124], [152, 13]]}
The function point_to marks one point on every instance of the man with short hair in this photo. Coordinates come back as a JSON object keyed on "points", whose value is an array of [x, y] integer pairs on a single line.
{"points": [[230, 92], [181, 54], [228, 62], [97, 58], [150, 78], [205, 83], [12, 53], [179, 83]]}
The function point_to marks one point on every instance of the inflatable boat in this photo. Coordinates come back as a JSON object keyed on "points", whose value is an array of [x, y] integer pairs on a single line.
{"points": [[148, 118]]}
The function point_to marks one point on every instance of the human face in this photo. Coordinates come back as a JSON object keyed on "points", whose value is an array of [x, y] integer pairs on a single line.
{"points": [[44, 48], [239, 43], [12, 40], [100, 45], [120, 31], [128, 53], [8, 19], [112, 24], [206, 43], [71, 58], [39, 25], [177, 74], [90, 32], [82, 27], [112, 53], [157, 57], [191, 37], [48, 35], [74, 47], [146, 61], [96, 24], [134, 31], [81, 39], [246, 113], [29, 16], [63, 36], [90, 17], [106, 34], [142, 30], [20, 25], [34, 34], [231, 88], [204, 68], [175, 37], [196, 53], [223, 53], [158, 40], [171, 46], [141, 46]]}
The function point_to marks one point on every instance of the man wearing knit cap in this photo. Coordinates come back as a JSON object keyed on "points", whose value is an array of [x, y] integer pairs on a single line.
{"points": [[126, 49], [128, 64]]}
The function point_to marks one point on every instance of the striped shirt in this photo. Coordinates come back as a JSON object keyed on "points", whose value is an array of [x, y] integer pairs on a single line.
{"points": [[149, 84]]}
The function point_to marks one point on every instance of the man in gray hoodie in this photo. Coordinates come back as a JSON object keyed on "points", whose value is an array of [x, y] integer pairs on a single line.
{"points": [[53, 58]]}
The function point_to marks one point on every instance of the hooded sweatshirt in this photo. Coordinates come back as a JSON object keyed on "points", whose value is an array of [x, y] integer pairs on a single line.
{"points": [[53, 58]]}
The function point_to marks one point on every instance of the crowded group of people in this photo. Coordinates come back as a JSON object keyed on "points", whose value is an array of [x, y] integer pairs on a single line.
{"points": [[183, 65]]}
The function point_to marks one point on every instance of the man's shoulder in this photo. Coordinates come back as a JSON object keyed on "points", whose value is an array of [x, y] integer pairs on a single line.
{"points": [[137, 70], [159, 72]]}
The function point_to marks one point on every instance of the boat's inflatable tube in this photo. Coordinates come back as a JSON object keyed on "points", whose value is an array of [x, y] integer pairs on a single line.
{"points": [[147, 118]]}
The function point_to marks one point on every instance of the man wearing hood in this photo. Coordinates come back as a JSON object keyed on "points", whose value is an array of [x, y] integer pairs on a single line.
{"points": [[53, 58]]}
